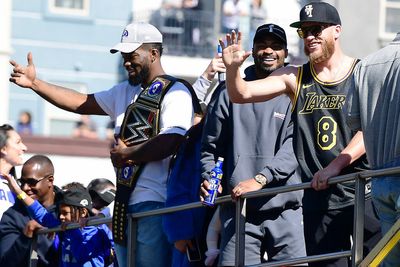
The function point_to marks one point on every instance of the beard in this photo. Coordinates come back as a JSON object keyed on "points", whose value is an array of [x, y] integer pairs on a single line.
{"points": [[141, 77], [267, 69], [316, 57]]}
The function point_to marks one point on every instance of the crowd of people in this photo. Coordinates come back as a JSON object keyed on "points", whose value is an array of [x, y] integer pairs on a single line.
{"points": [[279, 125]]}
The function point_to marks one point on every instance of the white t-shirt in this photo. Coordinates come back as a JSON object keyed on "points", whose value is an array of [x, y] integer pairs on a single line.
{"points": [[7, 198], [176, 116]]}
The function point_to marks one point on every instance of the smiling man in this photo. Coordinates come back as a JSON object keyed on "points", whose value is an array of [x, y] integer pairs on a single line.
{"points": [[324, 145], [152, 112], [255, 140], [36, 181]]}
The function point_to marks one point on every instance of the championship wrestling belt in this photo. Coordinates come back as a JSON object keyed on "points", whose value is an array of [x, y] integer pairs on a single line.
{"points": [[141, 122]]}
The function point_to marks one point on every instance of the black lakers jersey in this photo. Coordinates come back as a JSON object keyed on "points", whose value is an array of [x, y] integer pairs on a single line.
{"points": [[321, 133]]}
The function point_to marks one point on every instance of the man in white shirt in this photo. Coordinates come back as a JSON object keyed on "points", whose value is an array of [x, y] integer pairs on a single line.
{"points": [[141, 49]]}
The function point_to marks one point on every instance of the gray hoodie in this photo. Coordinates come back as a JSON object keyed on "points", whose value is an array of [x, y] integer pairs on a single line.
{"points": [[253, 138]]}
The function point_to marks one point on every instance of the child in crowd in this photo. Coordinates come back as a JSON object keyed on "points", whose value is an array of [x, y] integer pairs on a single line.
{"points": [[87, 246]]}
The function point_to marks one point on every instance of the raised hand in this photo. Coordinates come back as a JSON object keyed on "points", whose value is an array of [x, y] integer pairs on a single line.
{"points": [[233, 54], [12, 184], [23, 76], [216, 65]]}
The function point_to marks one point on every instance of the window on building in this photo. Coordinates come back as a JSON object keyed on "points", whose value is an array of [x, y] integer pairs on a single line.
{"points": [[70, 7], [59, 122], [391, 14]]}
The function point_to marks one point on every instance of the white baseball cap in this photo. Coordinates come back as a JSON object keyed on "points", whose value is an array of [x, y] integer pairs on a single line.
{"points": [[136, 34]]}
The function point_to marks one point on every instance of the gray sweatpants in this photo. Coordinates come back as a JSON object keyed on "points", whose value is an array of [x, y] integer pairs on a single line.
{"points": [[269, 236]]}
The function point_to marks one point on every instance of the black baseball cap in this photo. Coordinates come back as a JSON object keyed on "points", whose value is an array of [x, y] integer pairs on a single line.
{"points": [[107, 195], [272, 29], [78, 197], [318, 12]]}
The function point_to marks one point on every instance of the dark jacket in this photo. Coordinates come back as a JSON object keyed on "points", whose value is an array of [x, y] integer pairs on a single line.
{"points": [[15, 246]]}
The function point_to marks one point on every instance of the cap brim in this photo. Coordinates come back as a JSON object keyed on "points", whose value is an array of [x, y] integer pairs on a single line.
{"points": [[107, 197], [125, 47], [296, 24]]}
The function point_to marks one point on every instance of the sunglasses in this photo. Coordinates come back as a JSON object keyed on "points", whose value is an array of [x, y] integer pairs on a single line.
{"points": [[314, 30], [32, 181]]}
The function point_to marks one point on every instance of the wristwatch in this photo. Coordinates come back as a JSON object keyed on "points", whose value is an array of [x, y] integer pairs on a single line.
{"points": [[261, 179]]}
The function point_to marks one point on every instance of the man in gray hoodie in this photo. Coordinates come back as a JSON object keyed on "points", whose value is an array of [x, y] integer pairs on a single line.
{"points": [[256, 142]]}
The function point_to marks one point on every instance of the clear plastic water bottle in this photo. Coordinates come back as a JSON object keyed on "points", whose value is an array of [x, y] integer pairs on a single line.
{"points": [[221, 75], [214, 180]]}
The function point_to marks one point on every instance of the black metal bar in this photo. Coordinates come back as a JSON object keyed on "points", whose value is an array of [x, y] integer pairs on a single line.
{"points": [[240, 231], [131, 245], [328, 256], [358, 222]]}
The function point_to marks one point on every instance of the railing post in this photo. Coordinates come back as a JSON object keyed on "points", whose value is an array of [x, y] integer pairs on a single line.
{"points": [[358, 221], [33, 252], [240, 231], [131, 245]]}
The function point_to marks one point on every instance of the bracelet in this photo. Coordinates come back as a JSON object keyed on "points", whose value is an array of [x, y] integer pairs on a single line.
{"points": [[22, 196]]}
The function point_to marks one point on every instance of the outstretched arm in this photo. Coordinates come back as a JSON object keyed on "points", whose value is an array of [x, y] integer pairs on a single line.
{"points": [[64, 98], [35, 209], [279, 82]]}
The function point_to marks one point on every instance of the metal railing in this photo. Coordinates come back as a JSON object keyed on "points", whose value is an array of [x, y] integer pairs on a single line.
{"points": [[185, 32], [356, 253]]}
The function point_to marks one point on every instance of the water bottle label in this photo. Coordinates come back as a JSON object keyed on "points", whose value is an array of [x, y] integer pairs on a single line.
{"points": [[215, 178], [210, 199], [213, 184]]}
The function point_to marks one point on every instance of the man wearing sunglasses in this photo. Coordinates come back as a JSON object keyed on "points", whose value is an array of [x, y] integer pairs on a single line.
{"points": [[37, 177], [324, 145]]}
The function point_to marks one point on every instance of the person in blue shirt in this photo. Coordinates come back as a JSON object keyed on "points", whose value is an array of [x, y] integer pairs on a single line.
{"points": [[88, 246]]}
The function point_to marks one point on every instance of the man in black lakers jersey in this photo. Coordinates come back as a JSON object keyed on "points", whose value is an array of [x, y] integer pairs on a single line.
{"points": [[324, 145]]}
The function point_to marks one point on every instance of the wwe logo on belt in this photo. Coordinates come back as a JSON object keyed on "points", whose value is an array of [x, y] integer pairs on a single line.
{"points": [[138, 128]]}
